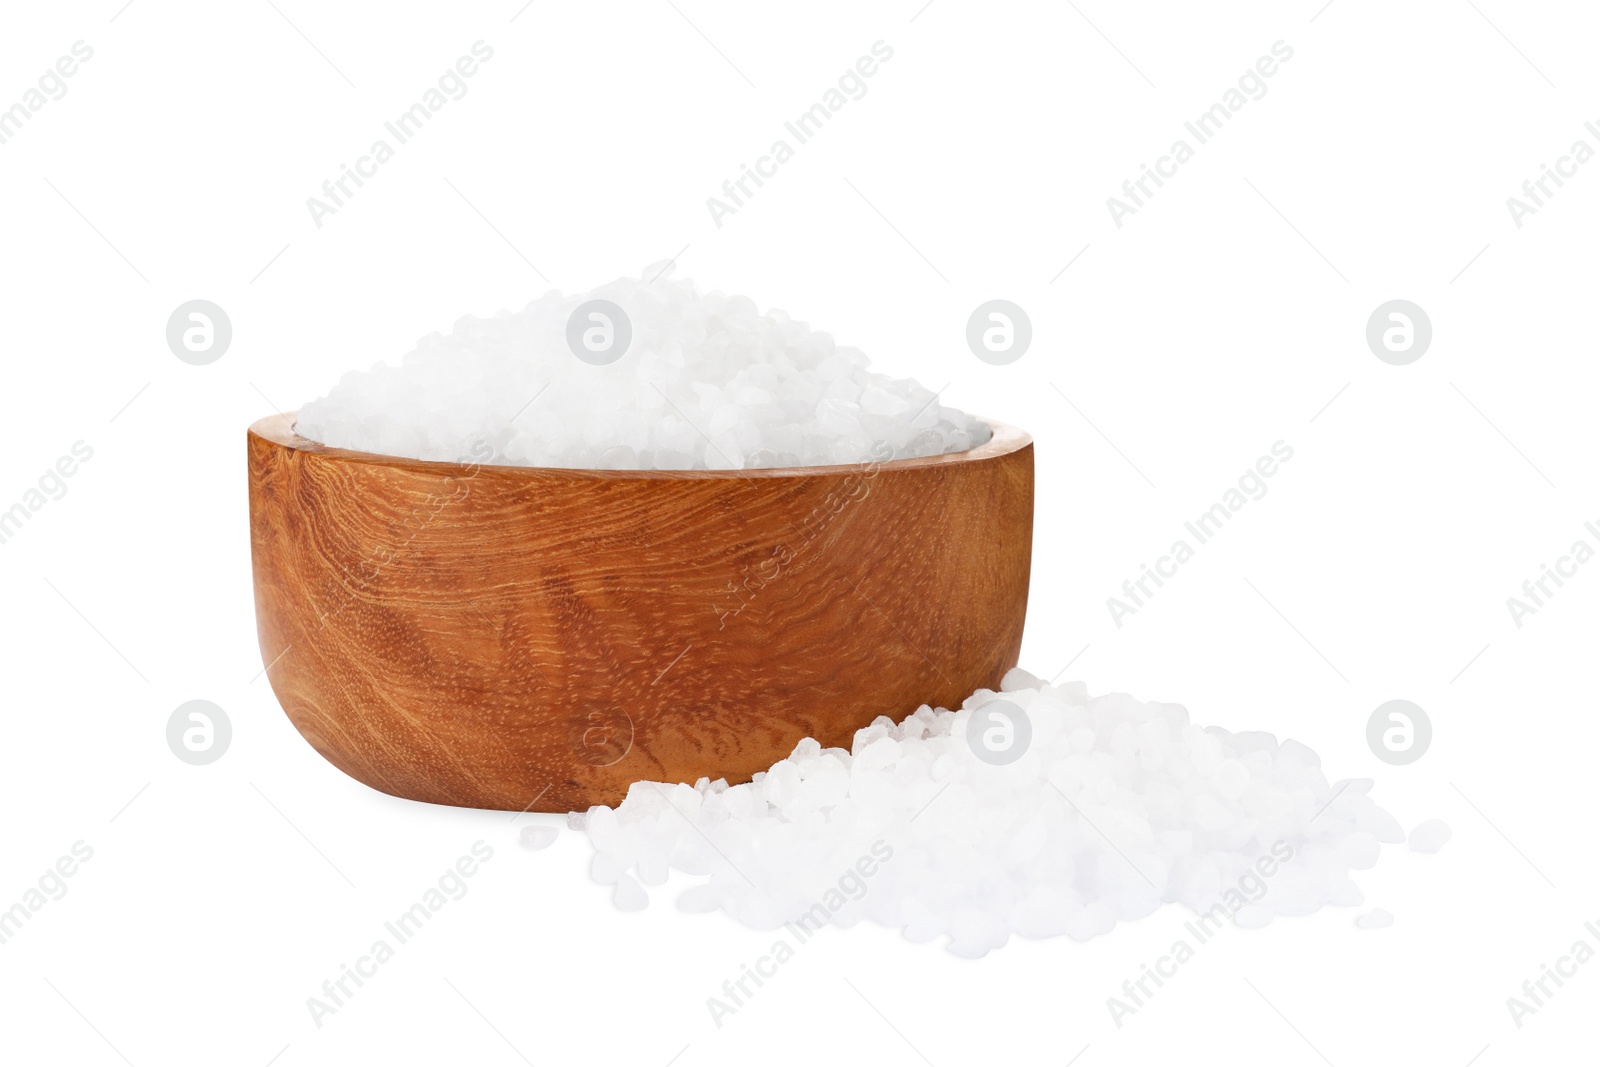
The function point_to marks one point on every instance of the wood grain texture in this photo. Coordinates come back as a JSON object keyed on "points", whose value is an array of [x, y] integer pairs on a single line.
{"points": [[536, 638]]}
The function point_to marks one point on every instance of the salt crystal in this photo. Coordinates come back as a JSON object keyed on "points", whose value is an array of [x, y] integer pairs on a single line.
{"points": [[1429, 836], [629, 895], [1346, 894], [606, 867], [1017, 679], [1230, 779], [1379, 822], [538, 837], [1359, 851], [604, 829], [1375, 919]]}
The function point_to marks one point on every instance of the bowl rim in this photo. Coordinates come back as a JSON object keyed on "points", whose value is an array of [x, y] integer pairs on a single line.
{"points": [[279, 429]]}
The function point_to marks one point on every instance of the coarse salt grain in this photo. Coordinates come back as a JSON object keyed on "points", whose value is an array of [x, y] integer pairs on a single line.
{"points": [[1429, 837]]}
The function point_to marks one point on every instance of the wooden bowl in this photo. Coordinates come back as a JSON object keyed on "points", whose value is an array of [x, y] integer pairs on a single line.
{"points": [[530, 638]]}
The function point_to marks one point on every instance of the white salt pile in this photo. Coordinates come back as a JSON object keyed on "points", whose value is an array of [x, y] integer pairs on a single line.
{"points": [[1106, 809], [700, 381]]}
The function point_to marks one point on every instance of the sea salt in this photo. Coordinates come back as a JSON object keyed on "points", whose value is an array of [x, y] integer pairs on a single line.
{"points": [[535, 838], [1429, 836], [1114, 808], [705, 381]]}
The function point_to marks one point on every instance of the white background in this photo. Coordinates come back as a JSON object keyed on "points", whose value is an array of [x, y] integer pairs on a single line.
{"points": [[1226, 315]]}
